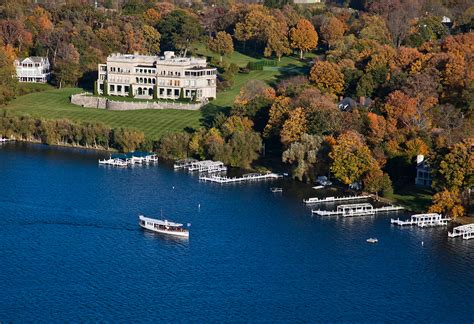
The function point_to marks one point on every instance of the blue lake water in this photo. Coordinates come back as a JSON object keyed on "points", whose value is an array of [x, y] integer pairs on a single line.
{"points": [[71, 249]]}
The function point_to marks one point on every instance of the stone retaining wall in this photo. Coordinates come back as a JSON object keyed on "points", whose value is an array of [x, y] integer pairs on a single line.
{"points": [[88, 101]]}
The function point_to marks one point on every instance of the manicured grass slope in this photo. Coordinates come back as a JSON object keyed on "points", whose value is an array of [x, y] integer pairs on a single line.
{"points": [[289, 65], [54, 104]]}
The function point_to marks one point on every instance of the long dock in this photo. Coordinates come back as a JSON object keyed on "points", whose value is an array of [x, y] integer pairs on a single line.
{"points": [[422, 220], [316, 200], [119, 162], [356, 210], [251, 177], [465, 231]]}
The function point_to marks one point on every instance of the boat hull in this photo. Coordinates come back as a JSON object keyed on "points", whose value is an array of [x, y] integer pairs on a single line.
{"points": [[157, 230]]}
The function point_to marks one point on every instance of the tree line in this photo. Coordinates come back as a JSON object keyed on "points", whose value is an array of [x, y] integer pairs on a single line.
{"points": [[66, 132]]}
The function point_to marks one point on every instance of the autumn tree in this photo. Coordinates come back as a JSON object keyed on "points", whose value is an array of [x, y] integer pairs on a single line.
{"points": [[236, 124], [243, 148], [303, 37], [351, 158], [374, 28], [277, 115], [253, 26], [126, 140], [447, 202], [332, 31], [455, 168], [66, 68], [398, 15], [152, 40], [174, 145], [221, 44], [294, 127], [8, 83], [304, 154], [253, 89], [13, 32], [327, 77], [376, 181], [277, 38]]}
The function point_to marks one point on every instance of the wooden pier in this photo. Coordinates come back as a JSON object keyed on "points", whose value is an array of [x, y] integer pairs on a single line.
{"points": [[356, 210], [422, 220], [465, 231], [251, 177], [333, 199]]}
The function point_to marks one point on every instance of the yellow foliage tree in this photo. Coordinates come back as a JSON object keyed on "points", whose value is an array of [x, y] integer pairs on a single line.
{"points": [[303, 37], [294, 127], [327, 77], [278, 112], [221, 44], [332, 31], [351, 158], [448, 203]]}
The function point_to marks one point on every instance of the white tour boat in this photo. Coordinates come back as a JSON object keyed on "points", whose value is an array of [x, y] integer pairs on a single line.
{"points": [[163, 226], [372, 240]]}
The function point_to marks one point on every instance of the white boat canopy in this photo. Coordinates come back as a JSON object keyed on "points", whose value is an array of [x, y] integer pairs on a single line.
{"points": [[159, 222]]}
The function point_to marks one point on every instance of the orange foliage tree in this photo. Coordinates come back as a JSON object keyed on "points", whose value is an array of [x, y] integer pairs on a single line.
{"points": [[327, 77], [303, 37], [294, 127]]}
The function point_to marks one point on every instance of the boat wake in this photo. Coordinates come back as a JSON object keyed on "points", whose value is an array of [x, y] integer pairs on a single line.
{"points": [[72, 224]]}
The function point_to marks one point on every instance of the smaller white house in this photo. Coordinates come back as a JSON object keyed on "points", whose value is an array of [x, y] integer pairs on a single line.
{"points": [[33, 69], [423, 172]]}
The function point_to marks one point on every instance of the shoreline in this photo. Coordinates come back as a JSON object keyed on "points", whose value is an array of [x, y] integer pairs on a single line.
{"points": [[461, 221], [92, 148]]}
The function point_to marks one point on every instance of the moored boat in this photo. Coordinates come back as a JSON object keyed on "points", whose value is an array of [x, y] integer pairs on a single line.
{"points": [[163, 226], [275, 189], [372, 240]]}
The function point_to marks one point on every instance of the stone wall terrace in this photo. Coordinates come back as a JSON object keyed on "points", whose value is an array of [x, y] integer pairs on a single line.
{"points": [[88, 101]]}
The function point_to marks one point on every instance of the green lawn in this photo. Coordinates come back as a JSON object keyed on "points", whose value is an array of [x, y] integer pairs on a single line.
{"points": [[414, 198], [54, 104], [289, 65]]}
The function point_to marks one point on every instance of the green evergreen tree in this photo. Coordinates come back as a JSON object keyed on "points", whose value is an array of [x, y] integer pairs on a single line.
{"points": [[181, 94], [96, 88], [106, 88], [130, 92], [155, 92]]}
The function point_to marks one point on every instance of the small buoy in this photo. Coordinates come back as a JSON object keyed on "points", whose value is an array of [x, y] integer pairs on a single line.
{"points": [[199, 205], [173, 187], [422, 243]]}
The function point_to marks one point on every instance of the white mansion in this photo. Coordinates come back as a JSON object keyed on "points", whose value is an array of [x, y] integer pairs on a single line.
{"points": [[33, 69], [140, 75]]}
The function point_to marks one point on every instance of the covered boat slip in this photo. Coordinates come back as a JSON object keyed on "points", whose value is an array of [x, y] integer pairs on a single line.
{"points": [[316, 200], [422, 220], [356, 210], [183, 164], [206, 166], [130, 159], [465, 231]]}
